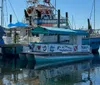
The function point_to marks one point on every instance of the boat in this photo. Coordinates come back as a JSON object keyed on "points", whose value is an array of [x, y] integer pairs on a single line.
{"points": [[34, 16], [94, 43], [9, 48], [93, 39], [42, 13], [54, 45], [57, 46]]}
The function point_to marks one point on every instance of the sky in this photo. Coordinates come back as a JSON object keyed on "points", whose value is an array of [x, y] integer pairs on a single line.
{"points": [[78, 10]]}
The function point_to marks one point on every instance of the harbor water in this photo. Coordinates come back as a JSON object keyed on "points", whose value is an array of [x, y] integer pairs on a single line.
{"points": [[78, 73]]}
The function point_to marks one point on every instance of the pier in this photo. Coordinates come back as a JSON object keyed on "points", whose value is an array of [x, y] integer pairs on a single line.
{"points": [[9, 57]]}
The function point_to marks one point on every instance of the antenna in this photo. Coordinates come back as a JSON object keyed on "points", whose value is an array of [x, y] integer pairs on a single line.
{"points": [[72, 21], [55, 7], [94, 14]]}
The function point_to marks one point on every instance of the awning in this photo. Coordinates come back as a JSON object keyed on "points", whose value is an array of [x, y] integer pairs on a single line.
{"points": [[54, 30], [81, 32], [17, 24], [11, 25], [20, 24]]}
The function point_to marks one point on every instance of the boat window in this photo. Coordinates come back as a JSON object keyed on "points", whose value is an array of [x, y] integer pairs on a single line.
{"points": [[33, 34], [37, 35], [45, 34], [38, 14]]}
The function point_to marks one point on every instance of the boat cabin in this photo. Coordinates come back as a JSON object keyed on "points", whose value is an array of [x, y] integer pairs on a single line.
{"points": [[52, 39]]}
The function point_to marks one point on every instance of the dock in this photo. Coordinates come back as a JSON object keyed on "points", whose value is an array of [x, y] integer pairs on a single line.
{"points": [[9, 57]]}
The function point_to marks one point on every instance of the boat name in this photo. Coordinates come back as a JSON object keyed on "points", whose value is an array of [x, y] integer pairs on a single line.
{"points": [[48, 21], [84, 47], [64, 48]]}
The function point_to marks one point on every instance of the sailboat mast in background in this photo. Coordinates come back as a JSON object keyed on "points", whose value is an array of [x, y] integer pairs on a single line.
{"points": [[94, 14], [2, 15], [55, 6]]}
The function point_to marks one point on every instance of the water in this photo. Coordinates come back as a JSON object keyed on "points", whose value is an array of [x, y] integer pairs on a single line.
{"points": [[81, 73]]}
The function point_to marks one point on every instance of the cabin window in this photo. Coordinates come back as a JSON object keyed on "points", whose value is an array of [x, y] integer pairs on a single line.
{"points": [[73, 40], [37, 35], [33, 34]]}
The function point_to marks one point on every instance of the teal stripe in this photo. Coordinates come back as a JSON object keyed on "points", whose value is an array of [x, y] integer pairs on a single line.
{"points": [[53, 60]]}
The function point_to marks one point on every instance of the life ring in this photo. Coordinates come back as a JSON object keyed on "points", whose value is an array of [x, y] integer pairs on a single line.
{"points": [[47, 11], [29, 10]]}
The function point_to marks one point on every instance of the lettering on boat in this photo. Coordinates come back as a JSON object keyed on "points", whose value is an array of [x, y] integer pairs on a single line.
{"points": [[52, 48], [48, 21], [85, 48], [64, 48], [61, 48]]}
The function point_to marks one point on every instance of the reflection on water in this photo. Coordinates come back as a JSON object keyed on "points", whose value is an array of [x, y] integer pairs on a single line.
{"points": [[81, 73]]}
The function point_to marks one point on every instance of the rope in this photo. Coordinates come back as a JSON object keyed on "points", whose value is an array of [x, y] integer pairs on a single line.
{"points": [[6, 11], [73, 24], [91, 10], [13, 10]]}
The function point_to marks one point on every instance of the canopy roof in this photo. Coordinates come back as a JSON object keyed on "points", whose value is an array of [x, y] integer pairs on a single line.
{"points": [[54, 30]]}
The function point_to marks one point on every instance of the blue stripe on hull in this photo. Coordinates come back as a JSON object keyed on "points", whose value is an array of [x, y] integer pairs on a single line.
{"points": [[93, 42]]}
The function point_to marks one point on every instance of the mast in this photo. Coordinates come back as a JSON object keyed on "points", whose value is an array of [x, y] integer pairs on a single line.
{"points": [[94, 14], [2, 13], [55, 7]]}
